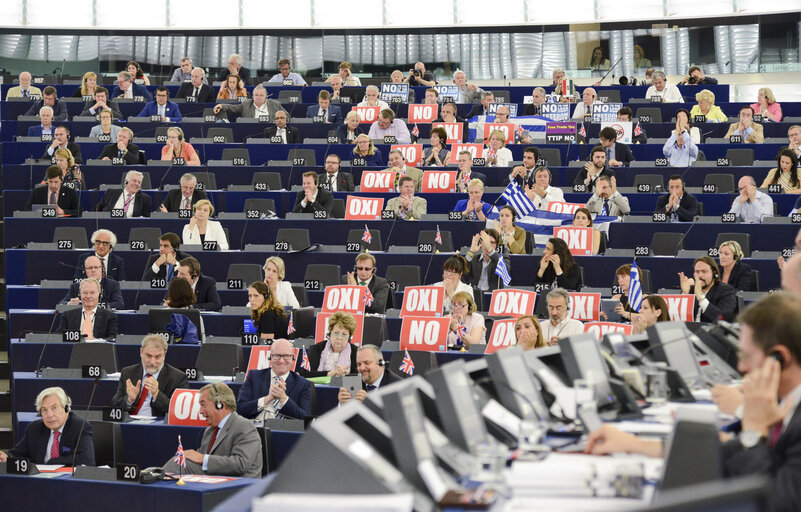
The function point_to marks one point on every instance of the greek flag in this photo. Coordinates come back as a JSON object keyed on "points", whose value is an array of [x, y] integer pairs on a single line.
{"points": [[502, 271], [517, 199], [635, 288]]}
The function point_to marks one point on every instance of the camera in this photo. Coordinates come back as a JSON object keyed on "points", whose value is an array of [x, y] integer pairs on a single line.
{"points": [[418, 72], [627, 80], [692, 80]]}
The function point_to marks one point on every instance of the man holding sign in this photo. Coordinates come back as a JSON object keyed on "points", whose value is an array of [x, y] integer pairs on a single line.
{"points": [[714, 299]]}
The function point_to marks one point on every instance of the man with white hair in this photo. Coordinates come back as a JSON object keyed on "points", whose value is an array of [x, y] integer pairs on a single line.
{"points": [[259, 107], [46, 123], [126, 88], [235, 67], [103, 242], [198, 88], [24, 89], [538, 97], [52, 439], [371, 98], [588, 98], [468, 93], [92, 321], [667, 93], [145, 388], [183, 198], [130, 199]]}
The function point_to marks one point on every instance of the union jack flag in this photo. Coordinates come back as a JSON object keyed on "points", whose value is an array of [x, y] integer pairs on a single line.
{"points": [[415, 131], [460, 334], [491, 154], [465, 179], [583, 132], [637, 130], [407, 365], [367, 300], [291, 327], [438, 237], [179, 455], [304, 362], [367, 237]]}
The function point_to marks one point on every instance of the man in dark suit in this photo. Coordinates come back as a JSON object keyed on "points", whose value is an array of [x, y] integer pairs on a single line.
{"points": [[235, 67], [162, 107], [538, 97], [714, 299], [196, 88], [61, 139], [185, 197], [145, 388], [313, 198], [483, 258], [447, 114], [131, 200], [64, 198], [373, 369], [124, 149], [101, 103], [110, 294], [92, 321], [288, 134], [276, 391], [52, 439], [482, 110], [103, 241], [126, 88], [324, 109], [364, 275], [230, 446], [594, 169], [680, 206], [205, 287], [49, 99], [333, 179], [617, 153], [163, 265]]}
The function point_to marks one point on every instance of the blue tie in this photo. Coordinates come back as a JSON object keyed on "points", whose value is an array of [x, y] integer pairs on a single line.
{"points": [[605, 209]]}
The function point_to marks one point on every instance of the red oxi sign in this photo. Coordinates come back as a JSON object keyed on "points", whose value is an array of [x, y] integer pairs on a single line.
{"points": [[511, 302], [562, 207], [423, 301], [578, 240], [455, 131], [185, 408], [502, 336], [585, 306], [601, 328], [680, 307], [364, 208], [377, 181]]}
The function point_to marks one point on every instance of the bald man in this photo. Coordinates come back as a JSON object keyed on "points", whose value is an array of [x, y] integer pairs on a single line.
{"points": [[588, 98]]}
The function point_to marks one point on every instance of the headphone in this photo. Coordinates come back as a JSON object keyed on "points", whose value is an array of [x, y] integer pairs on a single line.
{"points": [[68, 406], [179, 131], [381, 362], [775, 354], [216, 398]]}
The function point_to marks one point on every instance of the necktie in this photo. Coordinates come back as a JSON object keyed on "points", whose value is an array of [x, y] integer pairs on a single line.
{"points": [[197, 91], [127, 203], [170, 272], [87, 324], [105, 265], [53, 198], [370, 387], [775, 434], [362, 283], [330, 183], [325, 114], [276, 402], [605, 209], [607, 155], [186, 204], [142, 395], [120, 153], [213, 438], [25, 93], [55, 447], [161, 110]]}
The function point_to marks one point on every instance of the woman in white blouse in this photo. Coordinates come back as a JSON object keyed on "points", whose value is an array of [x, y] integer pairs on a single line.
{"points": [[201, 229], [496, 154], [452, 271], [274, 272]]}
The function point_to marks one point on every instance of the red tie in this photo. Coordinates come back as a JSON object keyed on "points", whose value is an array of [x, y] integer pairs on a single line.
{"points": [[775, 433], [54, 448], [142, 396], [213, 438]]}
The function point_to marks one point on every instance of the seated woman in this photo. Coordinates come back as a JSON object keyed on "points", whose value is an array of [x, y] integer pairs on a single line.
{"points": [[87, 88], [181, 296], [558, 266], [366, 149], [623, 309], [653, 309], [496, 154], [786, 173], [582, 218], [767, 106], [437, 155], [597, 61], [706, 107], [513, 237], [733, 270], [274, 273], [452, 271], [177, 147], [201, 229], [106, 127], [232, 88], [71, 173], [138, 73], [467, 326], [473, 208], [528, 333], [336, 355], [350, 129], [267, 314]]}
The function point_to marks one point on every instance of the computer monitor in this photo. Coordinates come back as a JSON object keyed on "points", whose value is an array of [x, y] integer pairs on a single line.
{"points": [[517, 389], [670, 343], [745, 494], [582, 357], [693, 451]]}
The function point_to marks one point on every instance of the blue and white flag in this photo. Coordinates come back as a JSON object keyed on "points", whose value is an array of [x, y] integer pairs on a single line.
{"points": [[541, 223], [502, 271], [517, 199], [528, 123], [635, 288]]}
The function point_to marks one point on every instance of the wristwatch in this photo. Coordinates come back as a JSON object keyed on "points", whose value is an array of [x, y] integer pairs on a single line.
{"points": [[751, 438]]}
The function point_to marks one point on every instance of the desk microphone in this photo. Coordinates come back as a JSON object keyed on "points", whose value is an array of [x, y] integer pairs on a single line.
{"points": [[78, 441], [38, 370], [139, 287]]}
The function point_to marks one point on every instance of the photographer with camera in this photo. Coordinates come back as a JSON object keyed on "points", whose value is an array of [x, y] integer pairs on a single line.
{"points": [[695, 76], [419, 76]]}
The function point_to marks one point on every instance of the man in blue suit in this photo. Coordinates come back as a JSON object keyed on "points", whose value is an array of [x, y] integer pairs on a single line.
{"points": [[277, 391], [167, 110], [126, 88], [325, 110], [50, 99]]}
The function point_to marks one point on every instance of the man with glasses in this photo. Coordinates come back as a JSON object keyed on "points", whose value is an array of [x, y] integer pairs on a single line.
{"points": [[113, 265], [275, 392], [751, 206], [91, 320], [110, 295], [559, 324], [167, 111], [127, 89], [334, 179], [364, 275]]}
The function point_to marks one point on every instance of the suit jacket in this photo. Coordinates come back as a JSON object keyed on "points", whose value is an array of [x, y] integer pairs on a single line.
{"points": [[618, 204], [244, 74], [142, 203], [36, 131], [206, 292], [687, 210], [477, 110], [415, 174], [316, 351], [16, 92], [170, 379], [342, 132], [334, 113], [59, 110], [494, 280], [257, 385], [111, 151], [33, 444], [207, 94], [173, 200], [419, 206], [112, 105], [740, 277], [138, 90], [171, 111], [722, 303], [163, 269], [74, 148], [386, 379], [582, 175], [247, 109], [67, 200], [105, 322], [379, 289], [111, 294], [236, 451], [623, 154], [293, 135], [114, 270], [758, 136], [344, 181], [568, 280], [324, 201]]}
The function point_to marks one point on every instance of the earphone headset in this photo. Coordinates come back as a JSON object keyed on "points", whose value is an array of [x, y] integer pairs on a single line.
{"points": [[216, 398], [68, 406], [775, 354], [380, 362]]}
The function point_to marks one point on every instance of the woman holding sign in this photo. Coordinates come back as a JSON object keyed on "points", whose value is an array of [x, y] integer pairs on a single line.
{"points": [[558, 266], [335, 356], [513, 237], [654, 309], [582, 218], [350, 130], [365, 149], [785, 173], [437, 155], [452, 271], [496, 154], [177, 148], [266, 313], [467, 326], [202, 230]]}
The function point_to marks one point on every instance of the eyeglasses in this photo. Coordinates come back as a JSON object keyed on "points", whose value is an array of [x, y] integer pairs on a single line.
{"points": [[278, 357], [103, 243], [364, 268], [339, 335], [460, 306]]}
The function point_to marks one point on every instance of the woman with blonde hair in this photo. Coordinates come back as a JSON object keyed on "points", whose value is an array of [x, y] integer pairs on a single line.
{"points": [[366, 150], [274, 273], [767, 106], [177, 147], [467, 326], [350, 130], [706, 107], [71, 173], [528, 333], [496, 154], [87, 88], [201, 229]]}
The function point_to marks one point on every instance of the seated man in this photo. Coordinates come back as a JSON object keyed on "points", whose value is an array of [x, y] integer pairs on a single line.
{"points": [[617, 153], [235, 67], [338, 95], [407, 206], [110, 295], [65, 198], [230, 446], [521, 136], [524, 174], [164, 264], [746, 127], [313, 198], [751, 206], [103, 241], [24, 89], [127, 89], [588, 98], [466, 172], [638, 135], [61, 139], [162, 107], [288, 134], [52, 438], [204, 287], [364, 275], [284, 73], [467, 92], [124, 148], [131, 200], [667, 93], [183, 73], [538, 97], [275, 392], [483, 257], [432, 97], [324, 110], [794, 139], [92, 321], [541, 192], [388, 126], [397, 164], [100, 103], [714, 299], [607, 200], [680, 206], [680, 148], [259, 107], [145, 388], [334, 179], [198, 88], [49, 99], [487, 97], [185, 197], [559, 324], [593, 169], [447, 114], [46, 127], [371, 98], [374, 372]]}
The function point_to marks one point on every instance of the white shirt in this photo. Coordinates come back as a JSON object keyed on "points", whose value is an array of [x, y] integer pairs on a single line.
{"points": [[50, 442], [582, 109], [145, 410], [281, 132], [332, 178], [551, 194], [120, 204], [670, 94], [567, 327], [261, 111], [381, 103]]}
